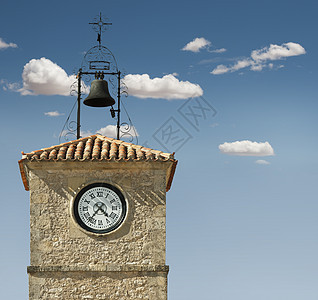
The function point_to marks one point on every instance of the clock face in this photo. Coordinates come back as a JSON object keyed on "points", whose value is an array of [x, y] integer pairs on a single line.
{"points": [[99, 208]]}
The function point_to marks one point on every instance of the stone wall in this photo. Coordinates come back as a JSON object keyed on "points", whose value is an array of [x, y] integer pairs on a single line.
{"points": [[126, 264], [118, 283]]}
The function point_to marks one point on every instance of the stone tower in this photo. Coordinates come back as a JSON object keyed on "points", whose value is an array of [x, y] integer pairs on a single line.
{"points": [[97, 220]]}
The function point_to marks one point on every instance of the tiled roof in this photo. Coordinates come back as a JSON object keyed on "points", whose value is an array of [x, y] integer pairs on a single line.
{"points": [[96, 148]]}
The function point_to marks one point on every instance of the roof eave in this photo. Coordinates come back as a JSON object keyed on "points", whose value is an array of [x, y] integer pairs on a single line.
{"points": [[171, 175], [23, 162], [23, 175]]}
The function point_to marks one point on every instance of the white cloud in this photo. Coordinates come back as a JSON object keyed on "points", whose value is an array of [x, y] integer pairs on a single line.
{"points": [[10, 86], [247, 148], [221, 50], [111, 131], [44, 77], [262, 162], [53, 114], [168, 87], [220, 69], [257, 67], [86, 133], [4, 45], [196, 45], [275, 52], [242, 64], [258, 59]]}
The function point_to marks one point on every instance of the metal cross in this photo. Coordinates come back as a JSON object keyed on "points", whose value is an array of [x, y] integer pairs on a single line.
{"points": [[100, 28]]}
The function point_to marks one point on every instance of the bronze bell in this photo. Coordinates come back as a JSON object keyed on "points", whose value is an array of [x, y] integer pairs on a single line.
{"points": [[99, 95]]}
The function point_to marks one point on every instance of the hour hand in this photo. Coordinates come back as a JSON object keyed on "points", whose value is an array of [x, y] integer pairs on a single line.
{"points": [[100, 207], [104, 212]]}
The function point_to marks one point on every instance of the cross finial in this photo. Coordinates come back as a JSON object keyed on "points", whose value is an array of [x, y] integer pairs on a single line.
{"points": [[99, 26]]}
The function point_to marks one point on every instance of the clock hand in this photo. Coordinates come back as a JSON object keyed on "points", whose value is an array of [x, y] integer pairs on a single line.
{"points": [[99, 208], [95, 213], [103, 211]]}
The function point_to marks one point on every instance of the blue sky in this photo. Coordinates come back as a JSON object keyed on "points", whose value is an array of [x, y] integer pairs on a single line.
{"points": [[241, 217]]}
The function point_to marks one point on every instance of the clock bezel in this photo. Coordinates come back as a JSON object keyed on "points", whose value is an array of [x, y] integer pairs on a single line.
{"points": [[79, 221]]}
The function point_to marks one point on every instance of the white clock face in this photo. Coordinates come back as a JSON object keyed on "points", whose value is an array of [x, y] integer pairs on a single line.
{"points": [[99, 208]]}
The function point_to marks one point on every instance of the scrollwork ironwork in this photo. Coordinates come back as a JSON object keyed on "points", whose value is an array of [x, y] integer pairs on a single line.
{"points": [[125, 131], [69, 128], [84, 86], [99, 58], [86, 78], [123, 88], [113, 84], [128, 130], [73, 89]]}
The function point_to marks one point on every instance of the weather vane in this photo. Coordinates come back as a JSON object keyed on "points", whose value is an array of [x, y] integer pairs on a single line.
{"points": [[99, 26]]}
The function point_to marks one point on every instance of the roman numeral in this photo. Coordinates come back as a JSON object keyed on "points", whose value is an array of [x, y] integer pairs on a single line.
{"points": [[92, 220], [85, 208], [99, 194], [92, 196], [114, 207], [113, 215], [87, 201], [87, 215], [112, 201], [100, 222]]}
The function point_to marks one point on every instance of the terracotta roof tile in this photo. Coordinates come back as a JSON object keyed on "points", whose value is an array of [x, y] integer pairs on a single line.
{"points": [[70, 152], [105, 150], [96, 148]]}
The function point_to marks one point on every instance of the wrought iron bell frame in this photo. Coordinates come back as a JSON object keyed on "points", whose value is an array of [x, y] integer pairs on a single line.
{"points": [[99, 74], [98, 61]]}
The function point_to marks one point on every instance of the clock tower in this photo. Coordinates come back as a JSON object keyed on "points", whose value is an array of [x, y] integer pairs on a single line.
{"points": [[97, 220]]}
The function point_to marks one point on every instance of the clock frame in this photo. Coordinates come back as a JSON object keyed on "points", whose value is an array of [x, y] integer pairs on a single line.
{"points": [[99, 208]]}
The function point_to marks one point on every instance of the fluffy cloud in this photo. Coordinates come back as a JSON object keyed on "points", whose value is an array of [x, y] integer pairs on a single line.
{"points": [[53, 114], [196, 45], [111, 131], [262, 162], [167, 87], [258, 59], [44, 77], [247, 148], [275, 52], [4, 45]]}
